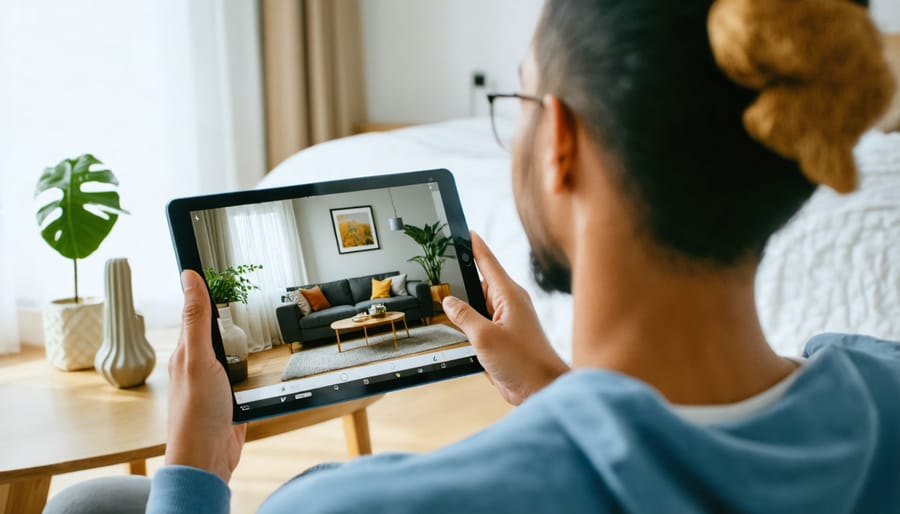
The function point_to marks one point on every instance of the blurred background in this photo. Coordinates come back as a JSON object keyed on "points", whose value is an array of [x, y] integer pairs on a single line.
{"points": [[183, 98]]}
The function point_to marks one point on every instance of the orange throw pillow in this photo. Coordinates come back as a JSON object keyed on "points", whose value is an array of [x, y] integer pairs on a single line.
{"points": [[316, 298], [381, 288]]}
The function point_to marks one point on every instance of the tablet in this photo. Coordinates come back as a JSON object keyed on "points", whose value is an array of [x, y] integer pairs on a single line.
{"points": [[329, 292]]}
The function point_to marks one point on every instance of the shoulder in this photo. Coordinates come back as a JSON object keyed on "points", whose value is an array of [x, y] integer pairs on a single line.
{"points": [[525, 463]]}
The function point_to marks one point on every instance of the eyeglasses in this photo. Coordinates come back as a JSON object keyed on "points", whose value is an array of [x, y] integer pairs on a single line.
{"points": [[505, 116]]}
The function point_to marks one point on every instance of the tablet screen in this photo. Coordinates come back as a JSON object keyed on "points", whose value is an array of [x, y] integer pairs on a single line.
{"points": [[329, 292]]}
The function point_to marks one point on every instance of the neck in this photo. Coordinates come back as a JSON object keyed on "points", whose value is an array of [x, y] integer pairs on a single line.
{"points": [[694, 336]]}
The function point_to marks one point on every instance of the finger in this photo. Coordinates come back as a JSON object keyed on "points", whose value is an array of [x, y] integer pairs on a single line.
{"points": [[465, 317], [490, 267], [488, 301], [196, 316]]}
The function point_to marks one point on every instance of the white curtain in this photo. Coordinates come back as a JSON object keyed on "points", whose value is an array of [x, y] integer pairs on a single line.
{"points": [[167, 93], [9, 329], [265, 234]]}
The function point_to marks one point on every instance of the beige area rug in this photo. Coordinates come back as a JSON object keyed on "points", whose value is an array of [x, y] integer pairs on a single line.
{"points": [[381, 347]]}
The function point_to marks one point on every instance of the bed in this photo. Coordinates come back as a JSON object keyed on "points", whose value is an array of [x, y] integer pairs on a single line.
{"points": [[834, 267]]}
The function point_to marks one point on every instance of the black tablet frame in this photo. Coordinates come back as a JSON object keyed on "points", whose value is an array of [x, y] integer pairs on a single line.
{"points": [[186, 251]]}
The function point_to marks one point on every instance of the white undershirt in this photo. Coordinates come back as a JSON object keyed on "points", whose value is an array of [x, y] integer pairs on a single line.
{"points": [[712, 414]]}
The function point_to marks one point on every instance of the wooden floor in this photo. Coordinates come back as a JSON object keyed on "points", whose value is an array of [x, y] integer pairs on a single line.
{"points": [[418, 419]]}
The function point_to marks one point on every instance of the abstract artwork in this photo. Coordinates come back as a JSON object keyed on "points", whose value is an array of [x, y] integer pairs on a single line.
{"points": [[354, 229]]}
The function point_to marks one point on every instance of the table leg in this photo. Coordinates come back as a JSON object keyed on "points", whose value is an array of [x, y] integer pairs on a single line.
{"points": [[137, 467], [24, 496], [394, 330], [406, 326], [356, 431], [337, 333], [366, 333]]}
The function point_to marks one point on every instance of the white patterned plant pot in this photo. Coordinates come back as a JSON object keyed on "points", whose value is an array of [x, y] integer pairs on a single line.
{"points": [[73, 332]]}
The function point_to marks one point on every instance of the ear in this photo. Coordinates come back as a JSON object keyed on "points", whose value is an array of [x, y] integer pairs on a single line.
{"points": [[560, 155]]}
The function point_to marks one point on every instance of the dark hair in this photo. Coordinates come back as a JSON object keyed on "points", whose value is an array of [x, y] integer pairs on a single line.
{"points": [[640, 76]]}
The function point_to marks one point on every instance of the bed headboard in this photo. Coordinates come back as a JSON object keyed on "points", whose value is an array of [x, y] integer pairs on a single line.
{"points": [[891, 121]]}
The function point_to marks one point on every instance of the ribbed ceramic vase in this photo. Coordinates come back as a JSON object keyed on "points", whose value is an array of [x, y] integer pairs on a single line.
{"points": [[234, 339], [126, 358]]}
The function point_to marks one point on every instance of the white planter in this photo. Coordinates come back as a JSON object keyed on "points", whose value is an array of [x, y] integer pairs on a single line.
{"points": [[73, 332], [234, 340]]}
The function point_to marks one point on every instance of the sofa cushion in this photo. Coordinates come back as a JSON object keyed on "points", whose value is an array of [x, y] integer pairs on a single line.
{"points": [[398, 285], [302, 303], [361, 287], [381, 288], [327, 316], [394, 303], [315, 297], [337, 292]]}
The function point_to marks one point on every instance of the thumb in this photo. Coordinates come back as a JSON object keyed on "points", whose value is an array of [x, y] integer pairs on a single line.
{"points": [[196, 321], [465, 317]]}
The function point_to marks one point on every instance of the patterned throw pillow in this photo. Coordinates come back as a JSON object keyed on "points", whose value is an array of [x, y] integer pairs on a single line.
{"points": [[398, 285], [302, 303], [381, 288], [316, 298]]}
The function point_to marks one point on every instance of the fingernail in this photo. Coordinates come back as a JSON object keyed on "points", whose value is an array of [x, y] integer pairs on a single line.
{"points": [[188, 280], [449, 302]]}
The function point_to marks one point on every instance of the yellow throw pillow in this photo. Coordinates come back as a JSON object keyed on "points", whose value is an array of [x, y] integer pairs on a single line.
{"points": [[381, 288]]}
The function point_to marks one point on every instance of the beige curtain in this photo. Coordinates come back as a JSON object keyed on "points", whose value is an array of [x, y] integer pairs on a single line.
{"points": [[313, 73]]}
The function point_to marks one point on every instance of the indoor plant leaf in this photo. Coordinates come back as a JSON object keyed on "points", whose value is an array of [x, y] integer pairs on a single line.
{"points": [[85, 217]]}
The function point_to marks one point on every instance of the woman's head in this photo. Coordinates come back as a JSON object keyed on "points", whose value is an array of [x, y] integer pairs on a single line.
{"points": [[640, 81]]}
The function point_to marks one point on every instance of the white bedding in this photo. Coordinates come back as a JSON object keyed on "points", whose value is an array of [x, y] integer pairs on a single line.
{"points": [[836, 266]]}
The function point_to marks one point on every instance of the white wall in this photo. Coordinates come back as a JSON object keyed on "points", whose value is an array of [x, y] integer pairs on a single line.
{"points": [[415, 204], [420, 54], [886, 14]]}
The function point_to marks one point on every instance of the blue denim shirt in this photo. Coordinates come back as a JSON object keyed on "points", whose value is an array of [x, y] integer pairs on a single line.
{"points": [[597, 441]]}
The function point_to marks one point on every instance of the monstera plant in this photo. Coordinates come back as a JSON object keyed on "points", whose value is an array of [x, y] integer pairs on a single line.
{"points": [[77, 221], [81, 210]]}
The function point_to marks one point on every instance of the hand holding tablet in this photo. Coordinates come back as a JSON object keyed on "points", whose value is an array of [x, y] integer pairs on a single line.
{"points": [[328, 249]]}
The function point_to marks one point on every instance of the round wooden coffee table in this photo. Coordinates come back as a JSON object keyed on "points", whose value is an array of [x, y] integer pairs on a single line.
{"points": [[348, 324]]}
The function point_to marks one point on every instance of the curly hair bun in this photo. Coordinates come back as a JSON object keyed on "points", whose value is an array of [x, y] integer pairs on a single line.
{"points": [[820, 72]]}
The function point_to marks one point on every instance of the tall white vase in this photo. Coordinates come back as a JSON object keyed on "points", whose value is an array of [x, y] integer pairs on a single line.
{"points": [[234, 339], [126, 358]]}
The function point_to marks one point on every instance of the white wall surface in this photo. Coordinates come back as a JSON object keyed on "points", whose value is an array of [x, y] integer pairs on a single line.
{"points": [[415, 204], [886, 14], [420, 54]]}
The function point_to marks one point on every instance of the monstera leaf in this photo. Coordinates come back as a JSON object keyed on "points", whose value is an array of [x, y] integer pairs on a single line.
{"points": [[76, 223], [84, 218]]}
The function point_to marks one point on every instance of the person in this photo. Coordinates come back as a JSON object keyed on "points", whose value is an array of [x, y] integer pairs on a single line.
{"points": [[646, 194]]}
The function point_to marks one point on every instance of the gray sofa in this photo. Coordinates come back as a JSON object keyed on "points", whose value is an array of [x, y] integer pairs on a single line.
{"points": [[347, 298]]}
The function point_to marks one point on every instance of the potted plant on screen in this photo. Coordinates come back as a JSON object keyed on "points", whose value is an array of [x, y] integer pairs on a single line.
{"points": [[434, 251], [226, 287], [74, 221]]}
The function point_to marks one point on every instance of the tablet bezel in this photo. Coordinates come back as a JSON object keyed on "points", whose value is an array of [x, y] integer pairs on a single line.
{"points": [[188, 257]]}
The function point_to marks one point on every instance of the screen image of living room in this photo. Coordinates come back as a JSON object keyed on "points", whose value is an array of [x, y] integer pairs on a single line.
{"points": [[297, 243]]}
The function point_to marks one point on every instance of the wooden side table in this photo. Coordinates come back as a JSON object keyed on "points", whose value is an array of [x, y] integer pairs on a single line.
{"points": [[58, 422]]}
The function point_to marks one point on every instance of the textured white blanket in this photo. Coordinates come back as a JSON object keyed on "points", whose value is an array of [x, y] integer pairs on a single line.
{"points": [[836, 265]]}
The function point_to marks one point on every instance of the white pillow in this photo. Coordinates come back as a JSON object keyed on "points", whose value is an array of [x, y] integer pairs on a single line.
{"points": [[302, 303], [398, 285]]}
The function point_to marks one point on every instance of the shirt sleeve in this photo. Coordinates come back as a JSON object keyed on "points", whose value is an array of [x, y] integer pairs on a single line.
{"points": [[183, 489]]}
